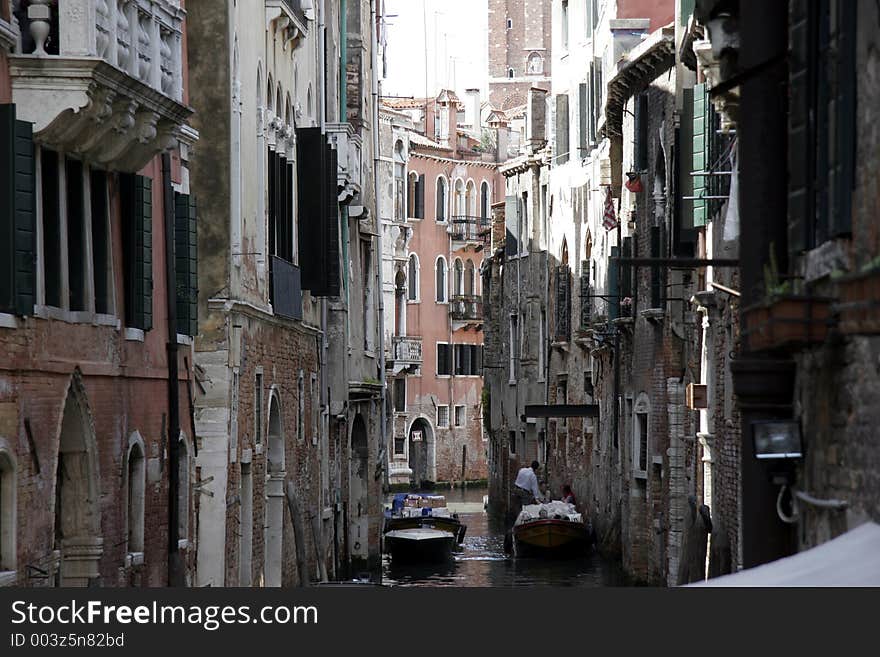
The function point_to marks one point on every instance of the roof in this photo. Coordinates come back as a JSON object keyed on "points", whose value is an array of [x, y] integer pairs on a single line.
{"points": [[635, 70], [852, 559], [420, 140]]}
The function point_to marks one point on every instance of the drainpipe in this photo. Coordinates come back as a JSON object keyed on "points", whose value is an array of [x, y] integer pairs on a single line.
{"points": [[175, 565], [374, 75]]}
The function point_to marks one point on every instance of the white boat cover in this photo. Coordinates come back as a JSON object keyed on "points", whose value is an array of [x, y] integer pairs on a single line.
{"points": [[419, 534], [851, 559], [555, 509]]}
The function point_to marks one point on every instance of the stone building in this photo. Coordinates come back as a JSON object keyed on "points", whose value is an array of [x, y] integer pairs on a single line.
{"points": [[438, 203], [289, 402], [97, 447], [805, 366], [519, 50]]}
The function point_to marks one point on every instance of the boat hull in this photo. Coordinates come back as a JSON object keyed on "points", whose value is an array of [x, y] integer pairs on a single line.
{"points": [[551, 538], [419, 545], [451, 525]]}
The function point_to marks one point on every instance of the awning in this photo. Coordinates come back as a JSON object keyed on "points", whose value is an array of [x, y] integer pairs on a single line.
{"points": [[852, 559], [562, 410]]}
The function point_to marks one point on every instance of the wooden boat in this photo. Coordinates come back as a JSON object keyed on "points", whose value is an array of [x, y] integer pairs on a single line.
{"points": [[419, 544], [550, 537], [403, 515]]}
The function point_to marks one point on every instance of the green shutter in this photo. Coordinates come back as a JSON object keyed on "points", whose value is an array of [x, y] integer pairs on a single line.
{"points": [[186, 263], [17, 214], [137, 221], [700, 151]]}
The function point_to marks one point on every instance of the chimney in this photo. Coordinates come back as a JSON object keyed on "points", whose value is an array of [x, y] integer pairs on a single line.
{"points": [[536, 114], [472, 108]]}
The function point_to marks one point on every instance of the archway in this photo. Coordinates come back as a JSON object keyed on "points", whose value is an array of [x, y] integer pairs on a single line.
{"points": [[359, 473], [420, 438], [77, 516], [275, 474]]}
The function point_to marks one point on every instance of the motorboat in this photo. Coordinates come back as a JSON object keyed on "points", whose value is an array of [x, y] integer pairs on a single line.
{"points": [[423, 511], [552, 530], [419, 544]]}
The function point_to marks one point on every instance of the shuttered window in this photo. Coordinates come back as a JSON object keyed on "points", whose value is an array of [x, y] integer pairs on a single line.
{"points": [[444, 359], [700, 154], [17, 214], [563, 303], [136, 197], [586, 292], [562, 138], [584, 141], [186, 263]]}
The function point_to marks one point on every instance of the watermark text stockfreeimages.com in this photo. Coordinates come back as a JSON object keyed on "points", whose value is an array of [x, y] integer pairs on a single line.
{"points": [[210, 617]]}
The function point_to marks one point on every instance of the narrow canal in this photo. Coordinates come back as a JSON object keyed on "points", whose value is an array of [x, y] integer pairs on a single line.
{"points": [[483, 562]]}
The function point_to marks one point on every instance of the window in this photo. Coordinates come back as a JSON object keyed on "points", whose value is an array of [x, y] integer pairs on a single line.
{"points": [[444, 359], [458, 200], [511, 441], [562, 396], [443, 416], [440, 215], [509, 24], [399, 195], [510, 73], [470, 278], [136, 199], [562, 135], [535, 64], [459, 416], [102, 272], [258, 408], [513, 347], [564, 24], [136, 486], [186, 267], [413, 278], [458, 279], [315, 405], [468, 359], [367, 280], [641, 409], [525, 235], [400, 395], [484, 203], [563, 303], [399, 446], [7, 512], [441, 295], [415, 198]]}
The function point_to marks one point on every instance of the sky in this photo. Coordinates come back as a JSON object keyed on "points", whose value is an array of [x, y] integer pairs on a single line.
{"points": [[454, 52]]}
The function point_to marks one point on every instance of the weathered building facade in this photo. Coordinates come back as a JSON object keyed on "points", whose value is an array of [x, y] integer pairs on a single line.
{"points": [[519, 50], [96, 442], [439, 206], [290, 403]]}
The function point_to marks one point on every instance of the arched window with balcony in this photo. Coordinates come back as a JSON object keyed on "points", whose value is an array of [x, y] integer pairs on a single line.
{"points": [[458, 280], [458, 199], [469, 278], [441, 200], [441, 294], [484, 202], [413, 278]]}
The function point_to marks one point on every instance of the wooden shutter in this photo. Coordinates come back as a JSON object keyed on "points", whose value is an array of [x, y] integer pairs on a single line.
{"points": [[656, 279], [137, 221], [640, 130], [17, 214], [420, 197], [700, 154], [586, 295], [331, 226], [315, 205], [563, 303], [843, 171], [562, 140], [511, 222], [583, 123], [443, 359], [186, 263]]}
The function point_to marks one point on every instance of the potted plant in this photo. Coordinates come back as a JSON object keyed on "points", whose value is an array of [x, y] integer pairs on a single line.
{"points": [[785, 318]]}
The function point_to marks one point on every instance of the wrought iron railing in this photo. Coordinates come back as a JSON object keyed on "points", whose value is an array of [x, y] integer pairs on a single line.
{"points": [[475, 230]]}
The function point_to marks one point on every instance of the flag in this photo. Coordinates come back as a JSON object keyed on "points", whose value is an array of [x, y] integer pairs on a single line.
{"points": [[609, 219]]}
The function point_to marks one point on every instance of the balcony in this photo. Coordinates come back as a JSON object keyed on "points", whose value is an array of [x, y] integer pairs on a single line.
{"points": [[406, 353], [291, 17], [470, 231], [285, 288], [102, 78], [466, 311]]}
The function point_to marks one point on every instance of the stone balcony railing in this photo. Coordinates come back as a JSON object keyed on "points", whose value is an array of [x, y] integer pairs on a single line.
{"points": [[470, 231], [349, 146], [103, 78], [407, 348], [466, 307]]}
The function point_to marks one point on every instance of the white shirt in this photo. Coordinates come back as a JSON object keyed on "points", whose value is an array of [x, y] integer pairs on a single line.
{"points": [[528, 480]]}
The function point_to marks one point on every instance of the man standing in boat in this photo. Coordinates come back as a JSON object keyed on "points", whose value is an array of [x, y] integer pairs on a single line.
{"points": [[526, 485]]}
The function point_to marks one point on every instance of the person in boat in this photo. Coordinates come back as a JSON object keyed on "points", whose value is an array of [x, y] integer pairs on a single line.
{"points": [[526, 485], [545, 492], [568, 495]]}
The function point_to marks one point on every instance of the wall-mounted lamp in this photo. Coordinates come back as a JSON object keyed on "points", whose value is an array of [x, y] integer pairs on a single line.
{"points": [[777, 439]]}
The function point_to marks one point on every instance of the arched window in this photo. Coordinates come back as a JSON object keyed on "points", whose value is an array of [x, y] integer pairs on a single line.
{"points": [[484, 201], [509, 23], [510, 72], [399, 182], [413, 278], [441, 280], [7, 508], [469, 278], [470, 196], [441, 200], [412, 184], [458, 281], [136, 490], [458, 199], [535, 64], [641, 435]]}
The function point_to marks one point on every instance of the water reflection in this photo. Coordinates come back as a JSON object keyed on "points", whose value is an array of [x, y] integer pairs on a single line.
{"points": [[481, 561]]}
